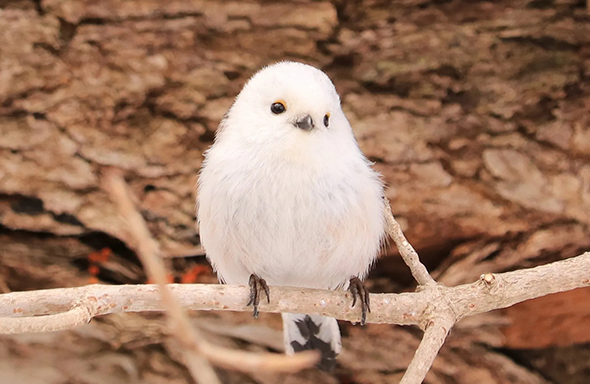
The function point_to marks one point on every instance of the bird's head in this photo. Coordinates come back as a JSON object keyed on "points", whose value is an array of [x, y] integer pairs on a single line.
{"points": [[287, 101]]}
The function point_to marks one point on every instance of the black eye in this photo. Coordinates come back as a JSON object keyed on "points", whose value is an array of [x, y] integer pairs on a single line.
{"points": [[327, 120], [278, 107]]}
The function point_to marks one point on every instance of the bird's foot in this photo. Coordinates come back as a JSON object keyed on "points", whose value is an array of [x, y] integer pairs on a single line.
{"points": [[257, 287], [360, 292]]}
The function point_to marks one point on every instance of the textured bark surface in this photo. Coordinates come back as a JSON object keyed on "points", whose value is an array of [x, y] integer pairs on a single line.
{"points": [[476, 113]]}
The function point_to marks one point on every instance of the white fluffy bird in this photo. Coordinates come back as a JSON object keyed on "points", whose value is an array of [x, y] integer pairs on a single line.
{"points": [[286, 197]]}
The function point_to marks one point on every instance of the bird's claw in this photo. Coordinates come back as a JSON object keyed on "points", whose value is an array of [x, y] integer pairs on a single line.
{"points": [[257, 286], [358, 290]]}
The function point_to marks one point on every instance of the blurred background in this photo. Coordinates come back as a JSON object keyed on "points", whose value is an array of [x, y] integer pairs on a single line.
{"points": [[475, 112]]}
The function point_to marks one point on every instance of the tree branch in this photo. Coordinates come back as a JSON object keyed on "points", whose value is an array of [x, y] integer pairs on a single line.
{"points": [[434, 307], [490, 292], [433, 339], [407, 252], [148, 250], [196, 351]]}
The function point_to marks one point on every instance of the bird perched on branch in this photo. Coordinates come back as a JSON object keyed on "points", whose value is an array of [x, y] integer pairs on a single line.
{"points": [[286, 198]]}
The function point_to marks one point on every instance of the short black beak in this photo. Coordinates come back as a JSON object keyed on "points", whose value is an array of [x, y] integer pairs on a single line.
{"points": [[305, 123]]}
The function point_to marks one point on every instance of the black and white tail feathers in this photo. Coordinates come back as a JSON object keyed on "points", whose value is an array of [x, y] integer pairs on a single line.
{"points": [[304, 332]]}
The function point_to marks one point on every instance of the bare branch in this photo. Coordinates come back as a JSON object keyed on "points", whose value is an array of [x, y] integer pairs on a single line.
{"points": [[434, 307], [194, 345], [148, 251], [501, 290], [192, 252], [407, 252], [72, 318], [433, 339], [505, 290]]}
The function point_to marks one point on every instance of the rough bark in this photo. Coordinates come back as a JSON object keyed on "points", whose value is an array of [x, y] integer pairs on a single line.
{"points": [[476, 114]]}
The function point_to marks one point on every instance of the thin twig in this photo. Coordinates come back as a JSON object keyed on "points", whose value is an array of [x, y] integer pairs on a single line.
{"points": [[407, 252], [148, 251], [196, 350]]}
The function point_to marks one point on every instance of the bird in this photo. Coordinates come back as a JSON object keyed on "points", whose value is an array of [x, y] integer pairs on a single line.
{"points": [[285, 197]]}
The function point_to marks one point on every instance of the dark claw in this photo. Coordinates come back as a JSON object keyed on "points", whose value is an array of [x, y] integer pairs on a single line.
{"points": [[257, 285], [358, 290]]}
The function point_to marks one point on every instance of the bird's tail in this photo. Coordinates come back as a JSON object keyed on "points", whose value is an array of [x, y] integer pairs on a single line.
{"points": [[303, 332]]}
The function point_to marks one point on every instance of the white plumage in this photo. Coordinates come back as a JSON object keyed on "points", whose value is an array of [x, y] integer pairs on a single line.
{"points": [[297, 207]]}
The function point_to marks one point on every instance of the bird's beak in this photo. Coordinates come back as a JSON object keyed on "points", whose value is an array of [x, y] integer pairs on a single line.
{"points": [[305, 123]]}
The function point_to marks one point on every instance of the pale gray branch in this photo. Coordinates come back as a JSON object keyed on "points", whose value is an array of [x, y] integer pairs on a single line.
{"points": [[149, 253], [196, 351], [69, 319], [435, 308], [433, 339], [407, 252], [502, 290]]}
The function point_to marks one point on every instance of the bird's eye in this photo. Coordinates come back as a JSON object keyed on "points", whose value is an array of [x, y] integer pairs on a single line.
{"points": [[327, 120], [278, 107]]}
